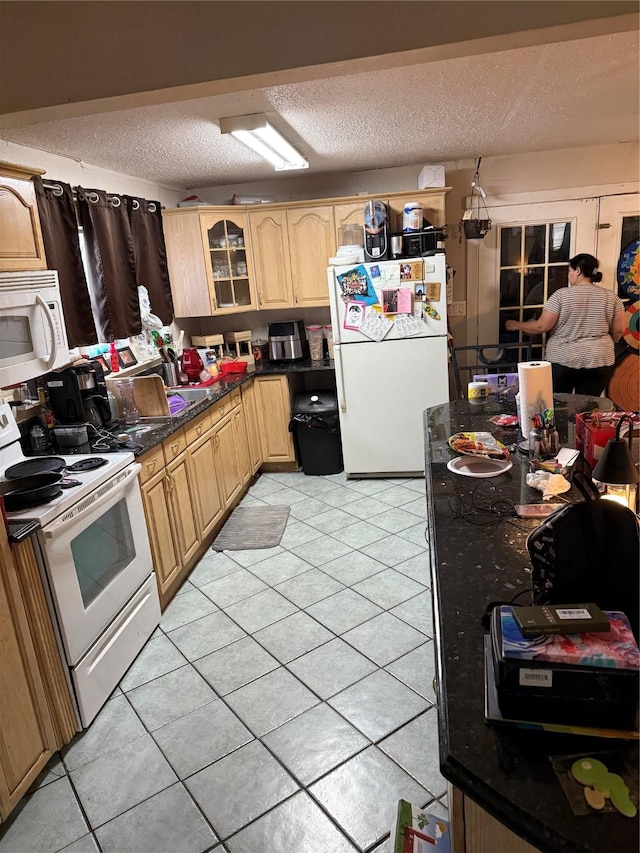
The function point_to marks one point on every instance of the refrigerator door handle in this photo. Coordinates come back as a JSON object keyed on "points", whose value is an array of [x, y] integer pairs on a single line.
{"points": [[340, 379]]}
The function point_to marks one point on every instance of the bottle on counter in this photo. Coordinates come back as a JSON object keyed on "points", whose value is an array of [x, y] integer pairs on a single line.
{"points": [[114, 362], [38, 439]]}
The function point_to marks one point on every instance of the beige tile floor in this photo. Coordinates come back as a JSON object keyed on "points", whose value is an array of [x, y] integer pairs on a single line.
{"points": [[284, 705]]}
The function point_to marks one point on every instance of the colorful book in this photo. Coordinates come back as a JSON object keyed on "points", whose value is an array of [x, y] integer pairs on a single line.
{"points": [[614, 649], [417, 831]]}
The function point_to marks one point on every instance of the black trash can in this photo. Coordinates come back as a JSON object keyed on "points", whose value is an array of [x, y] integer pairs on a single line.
{"points": [[316, 426]]}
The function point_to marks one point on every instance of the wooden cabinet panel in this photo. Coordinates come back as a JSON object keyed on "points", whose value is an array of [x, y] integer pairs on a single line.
{"points": [[205, 481], [21, 246], [229, 478], [242, 448], [273, 403], [27, 740], [272, 266], [196, 428], [174, 446], [209, 261], [251, 423], [311, 244], [162, 538], [349, 214], [184, 506]]}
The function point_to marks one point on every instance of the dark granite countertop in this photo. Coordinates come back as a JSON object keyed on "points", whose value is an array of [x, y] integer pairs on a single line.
{"points": [[148, 433], [304, 365], [506, 770]]}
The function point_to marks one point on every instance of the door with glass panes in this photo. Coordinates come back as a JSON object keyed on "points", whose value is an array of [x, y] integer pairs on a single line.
{"points": [[524, 259], [521, 262]]}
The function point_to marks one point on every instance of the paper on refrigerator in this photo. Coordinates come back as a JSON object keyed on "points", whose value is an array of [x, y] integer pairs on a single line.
{"points": [[374, 325]]}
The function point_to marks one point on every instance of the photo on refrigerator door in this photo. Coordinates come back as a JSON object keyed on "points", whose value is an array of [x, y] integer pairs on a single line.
{"points": [[419, 292], [411, 271], [390, 300], [356, 283], [353, 315]]}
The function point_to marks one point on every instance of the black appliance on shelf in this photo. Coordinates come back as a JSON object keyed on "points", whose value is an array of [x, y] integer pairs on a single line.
{"points": [[421, 244]]}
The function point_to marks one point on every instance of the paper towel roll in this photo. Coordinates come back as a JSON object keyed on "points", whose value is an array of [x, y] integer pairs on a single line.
{"points": [[536, 391]]}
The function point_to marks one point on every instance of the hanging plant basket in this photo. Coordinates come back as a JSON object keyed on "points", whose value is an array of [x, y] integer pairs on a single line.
{"points": [[475, 229], [475, 221]]}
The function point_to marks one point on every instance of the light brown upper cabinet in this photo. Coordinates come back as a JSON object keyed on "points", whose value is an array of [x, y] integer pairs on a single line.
{"points": [[21, 246], [209, 261], [272, 266], [311, 244]]}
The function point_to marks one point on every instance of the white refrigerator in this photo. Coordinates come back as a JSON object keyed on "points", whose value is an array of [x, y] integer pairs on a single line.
{"points": [[383, 387]]}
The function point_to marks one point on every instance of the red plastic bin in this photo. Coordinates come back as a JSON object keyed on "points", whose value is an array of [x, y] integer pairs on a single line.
{"points": [[237, 367]]}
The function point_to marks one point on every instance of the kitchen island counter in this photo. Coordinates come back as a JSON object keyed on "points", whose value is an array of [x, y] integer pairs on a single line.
{"points": [[477, 558]]}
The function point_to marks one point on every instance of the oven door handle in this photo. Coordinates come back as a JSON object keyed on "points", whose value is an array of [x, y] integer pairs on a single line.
{"points": [[52, 328], [105, 490]]}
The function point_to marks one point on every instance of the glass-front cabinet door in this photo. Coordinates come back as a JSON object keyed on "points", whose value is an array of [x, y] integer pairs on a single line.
{"points": [[229, 262]]}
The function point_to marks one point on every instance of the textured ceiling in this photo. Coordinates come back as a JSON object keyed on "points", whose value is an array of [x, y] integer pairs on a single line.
{"points": [[576, 93]]}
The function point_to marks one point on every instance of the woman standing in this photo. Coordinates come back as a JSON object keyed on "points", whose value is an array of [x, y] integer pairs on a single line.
{"points": [[584, 321]]}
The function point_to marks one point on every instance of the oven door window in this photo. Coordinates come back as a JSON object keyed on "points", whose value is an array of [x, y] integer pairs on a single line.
{"points": [[102, 551]]}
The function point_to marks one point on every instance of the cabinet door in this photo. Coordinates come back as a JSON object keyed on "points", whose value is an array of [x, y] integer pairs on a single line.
{"points": [[272, 266], [228, 261], [274, 413], [311, 244], [203, 473], [242, 445], [21, 246], [26, 736], [251, 422], [155, 500], [184, 508], [229, 477], [349, 215]]}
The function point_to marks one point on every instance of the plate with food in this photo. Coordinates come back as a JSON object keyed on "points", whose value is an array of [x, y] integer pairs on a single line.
{"points": [[478, 444]]}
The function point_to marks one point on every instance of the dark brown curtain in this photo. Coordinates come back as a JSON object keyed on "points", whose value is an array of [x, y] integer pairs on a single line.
{"points": [[150, 254], [112, 267], [62, 247]]}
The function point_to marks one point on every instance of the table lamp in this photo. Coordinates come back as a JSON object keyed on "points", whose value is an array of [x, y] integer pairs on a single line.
{"points": [[615, 468]]}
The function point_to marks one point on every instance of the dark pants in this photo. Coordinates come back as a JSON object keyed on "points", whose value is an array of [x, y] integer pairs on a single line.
{"points": [[591, 381]]}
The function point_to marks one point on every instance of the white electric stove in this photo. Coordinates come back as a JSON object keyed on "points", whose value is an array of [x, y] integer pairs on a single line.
{"points": [[95, 561]]}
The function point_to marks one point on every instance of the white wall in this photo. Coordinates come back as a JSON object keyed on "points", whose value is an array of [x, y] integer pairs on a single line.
{"points": [[86, 175]]}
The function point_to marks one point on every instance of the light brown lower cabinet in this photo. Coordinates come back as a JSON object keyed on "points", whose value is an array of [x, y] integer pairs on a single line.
{"points": [[273, 402], [162, 538], [473, 830], [251, 422], [36, 714], [227, 463], [202, 460]]}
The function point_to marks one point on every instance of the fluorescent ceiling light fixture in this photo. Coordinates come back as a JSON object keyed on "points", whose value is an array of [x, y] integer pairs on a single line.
{"points": [[256, 133]]}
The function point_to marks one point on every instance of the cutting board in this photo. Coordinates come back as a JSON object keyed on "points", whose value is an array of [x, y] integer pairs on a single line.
{"points": [[150, 396]]}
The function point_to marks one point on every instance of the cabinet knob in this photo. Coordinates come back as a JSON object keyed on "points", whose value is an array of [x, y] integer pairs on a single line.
{"points": [[151, 465], [170, 482], [175, 446], [199, 429]]}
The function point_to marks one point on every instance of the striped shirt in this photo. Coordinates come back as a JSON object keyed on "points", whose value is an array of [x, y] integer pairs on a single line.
{"points": [[581, 338]]}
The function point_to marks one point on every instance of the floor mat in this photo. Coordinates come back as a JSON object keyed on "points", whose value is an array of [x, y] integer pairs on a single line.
{"points": [[248, 528]]}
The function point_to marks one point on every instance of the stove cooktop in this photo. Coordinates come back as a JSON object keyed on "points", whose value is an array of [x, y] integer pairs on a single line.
{"points": [[11, 454]]}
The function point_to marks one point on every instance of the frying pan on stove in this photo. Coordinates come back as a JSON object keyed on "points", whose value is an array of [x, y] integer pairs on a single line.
{"points": [[25, 492], [51, 465]]}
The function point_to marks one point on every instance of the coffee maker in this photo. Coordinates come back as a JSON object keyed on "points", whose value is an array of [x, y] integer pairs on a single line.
{"points": [[79, 395], [376, 231]]}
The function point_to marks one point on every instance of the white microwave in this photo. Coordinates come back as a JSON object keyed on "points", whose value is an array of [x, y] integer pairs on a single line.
{"points": [[33, 338]]}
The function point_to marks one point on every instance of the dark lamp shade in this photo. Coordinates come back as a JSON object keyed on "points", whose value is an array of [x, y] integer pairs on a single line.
{"points": [[615, 466]]}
